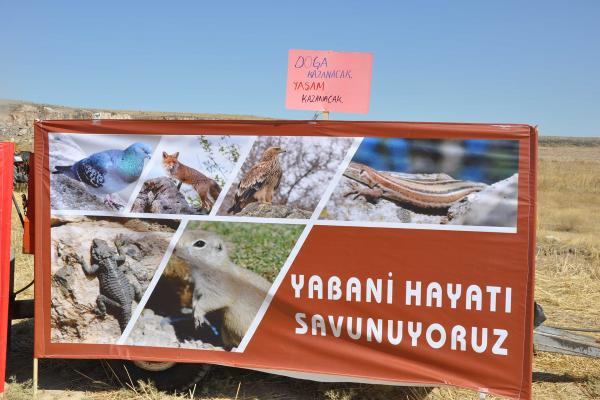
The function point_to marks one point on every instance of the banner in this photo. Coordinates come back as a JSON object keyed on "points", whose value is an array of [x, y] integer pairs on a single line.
{"points": [[384, 252], [6, 188]]}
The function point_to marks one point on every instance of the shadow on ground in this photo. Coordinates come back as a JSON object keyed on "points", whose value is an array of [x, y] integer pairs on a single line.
{"points": [[557, 378]]}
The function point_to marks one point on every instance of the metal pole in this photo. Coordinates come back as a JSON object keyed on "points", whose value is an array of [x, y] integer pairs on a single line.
{"points": [[18, 209]]}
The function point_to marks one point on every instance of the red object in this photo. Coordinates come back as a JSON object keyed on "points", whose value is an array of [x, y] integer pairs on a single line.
{"points": [[6, 188], [492, 260]]}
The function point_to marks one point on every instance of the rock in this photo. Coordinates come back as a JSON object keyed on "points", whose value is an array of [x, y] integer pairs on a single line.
{"points": [[154, 330], [73, 294], [265, 210], [496, 205], [67, 193], [161, 196]]}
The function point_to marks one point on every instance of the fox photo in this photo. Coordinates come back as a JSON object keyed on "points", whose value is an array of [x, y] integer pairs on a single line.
{"points": [[454, 182], [97, 172], [284, 177], [214, 284], [188, 174]]}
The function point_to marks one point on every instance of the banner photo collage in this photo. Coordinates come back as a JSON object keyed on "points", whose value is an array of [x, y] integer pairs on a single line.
{"points": [[373, 251], [210, 221]]}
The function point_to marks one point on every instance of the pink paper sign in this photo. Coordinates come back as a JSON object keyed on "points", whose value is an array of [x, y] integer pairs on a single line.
{"points": [[329, 81]]}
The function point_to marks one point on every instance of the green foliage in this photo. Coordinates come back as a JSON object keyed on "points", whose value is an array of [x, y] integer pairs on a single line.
{"points": [[194, 202], [262, 248], [223, 147]]}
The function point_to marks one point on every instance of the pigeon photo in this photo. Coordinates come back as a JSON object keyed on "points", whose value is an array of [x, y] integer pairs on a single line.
{"points": [[97, 180]]}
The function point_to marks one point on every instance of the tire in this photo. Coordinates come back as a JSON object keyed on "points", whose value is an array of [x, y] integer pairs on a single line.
{"points": [[165, 376]]}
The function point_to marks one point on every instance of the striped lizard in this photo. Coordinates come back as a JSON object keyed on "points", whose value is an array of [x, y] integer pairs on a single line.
{"points": [[429, 194]]}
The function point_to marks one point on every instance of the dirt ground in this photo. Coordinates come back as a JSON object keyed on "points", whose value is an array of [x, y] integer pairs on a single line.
{"points": [[567, 286]]}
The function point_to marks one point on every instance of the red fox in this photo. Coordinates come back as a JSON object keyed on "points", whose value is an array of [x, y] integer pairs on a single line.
{"points": [[208, 190]]}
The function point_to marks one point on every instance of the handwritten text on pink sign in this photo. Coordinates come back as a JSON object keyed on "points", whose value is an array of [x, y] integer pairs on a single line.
{"points": [[329, 81]]}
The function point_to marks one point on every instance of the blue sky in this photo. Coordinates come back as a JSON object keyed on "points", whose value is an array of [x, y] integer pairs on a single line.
{"points": [[534, 62]]}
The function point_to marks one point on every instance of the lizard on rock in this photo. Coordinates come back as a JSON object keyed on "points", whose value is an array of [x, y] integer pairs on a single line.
{"points": [[116, 291], [422, 194]]}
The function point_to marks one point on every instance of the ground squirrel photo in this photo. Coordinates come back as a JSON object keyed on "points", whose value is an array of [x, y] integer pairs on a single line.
{"points": [[218, 277], [220, 284]]}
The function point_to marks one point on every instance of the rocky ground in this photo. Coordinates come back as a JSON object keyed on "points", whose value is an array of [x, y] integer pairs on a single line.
{"points": [[17, 117], [493, 206]]}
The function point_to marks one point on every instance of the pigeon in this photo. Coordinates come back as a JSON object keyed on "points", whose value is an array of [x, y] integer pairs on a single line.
{"points": [[109, 171]]}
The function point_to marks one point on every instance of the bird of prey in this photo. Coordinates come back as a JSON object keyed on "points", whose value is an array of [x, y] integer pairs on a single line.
{"points": [[259, 182], [109, 171]]}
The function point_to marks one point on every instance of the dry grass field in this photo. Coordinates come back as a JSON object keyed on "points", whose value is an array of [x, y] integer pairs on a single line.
{"points": [[567, 286]]}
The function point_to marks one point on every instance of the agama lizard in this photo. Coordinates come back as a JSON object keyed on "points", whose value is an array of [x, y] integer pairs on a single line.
{"points": [[418, 193], [116, 291]]}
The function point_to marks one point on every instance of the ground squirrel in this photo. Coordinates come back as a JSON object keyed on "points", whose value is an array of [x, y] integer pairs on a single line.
{"points": [[208, 190], [219, 284]]}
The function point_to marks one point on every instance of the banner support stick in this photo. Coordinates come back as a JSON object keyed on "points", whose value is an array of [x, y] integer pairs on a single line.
{"points": [[325, 114], [35, 378]]}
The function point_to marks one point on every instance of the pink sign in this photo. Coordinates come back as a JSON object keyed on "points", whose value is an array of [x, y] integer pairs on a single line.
{"points": [[329, 81]]}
